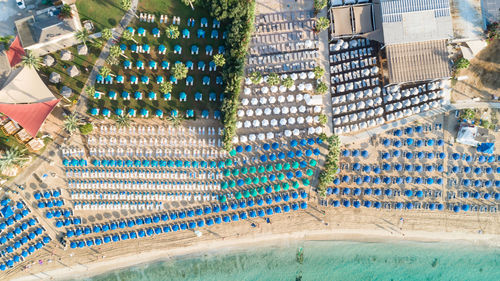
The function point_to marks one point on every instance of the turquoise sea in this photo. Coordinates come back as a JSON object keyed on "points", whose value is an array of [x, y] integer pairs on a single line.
{"points": [[326, 260]]}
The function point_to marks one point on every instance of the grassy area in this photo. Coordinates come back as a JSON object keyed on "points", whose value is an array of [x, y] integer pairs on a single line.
{"points": [[84, 63], [103, 13], [174, 7]]}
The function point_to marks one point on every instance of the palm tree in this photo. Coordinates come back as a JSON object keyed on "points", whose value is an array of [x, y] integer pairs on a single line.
{"points": [[173, 31], [126, 4], [166, 87], [111, 60], [82, 35], [90, 91], [219, 60], [188, 3], [322, 24], [179, 71], [287, 82], [128, 36], [104, 71], [13, 157], [273, 79], [115, 51], [321, 88], [256, 77], [66, 12], [71, 123], [175, 121], [97, 43], [31, 60], [318, 72], [123, 121], [106, 34]]}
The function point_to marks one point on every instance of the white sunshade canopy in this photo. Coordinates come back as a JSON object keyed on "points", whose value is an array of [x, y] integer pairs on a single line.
{"points": [[264, 90], [244, 101], [272, 100], [25, 86], [247, 91], [254, 101], [274, 89], [258, 112]]}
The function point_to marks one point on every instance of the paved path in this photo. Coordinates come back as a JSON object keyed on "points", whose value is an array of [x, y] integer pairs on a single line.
{"points": [[324, 62], [401, 122], [101, 60]]}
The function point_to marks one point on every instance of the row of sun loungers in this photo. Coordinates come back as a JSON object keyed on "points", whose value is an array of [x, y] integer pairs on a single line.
{"points": [[143, 185]]}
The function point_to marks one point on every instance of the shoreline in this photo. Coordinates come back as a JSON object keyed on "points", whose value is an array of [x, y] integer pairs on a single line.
{"points": [[237, 244]]}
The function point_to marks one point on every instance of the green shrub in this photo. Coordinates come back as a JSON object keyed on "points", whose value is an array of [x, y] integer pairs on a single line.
{"points": [[462, 63]]}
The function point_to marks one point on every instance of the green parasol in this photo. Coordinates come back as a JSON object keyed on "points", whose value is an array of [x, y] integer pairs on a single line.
{"points": [[269, 168], [295, 184], [227, 173], [246, 194], [253, 170], [286, 186], [278, 167], [262, 169], [232, 183], [295, 165], [229, 162], [223, 185], [244, 170], [263, 179], [238, 195], [261, 190], [306, 182], [309, 172], [253, 192], [235, 172], [281, 176], [255, 180], [277, 187], [286, 166], [248, 181], [313, 163], [223, 199], [232, 152]]}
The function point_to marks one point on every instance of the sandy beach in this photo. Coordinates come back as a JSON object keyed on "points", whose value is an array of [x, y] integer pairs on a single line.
{"points": [[343, 224]]}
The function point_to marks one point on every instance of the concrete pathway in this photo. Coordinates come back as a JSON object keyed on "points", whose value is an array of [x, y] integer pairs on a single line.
{"points": [[324, 62], [401, 122]]}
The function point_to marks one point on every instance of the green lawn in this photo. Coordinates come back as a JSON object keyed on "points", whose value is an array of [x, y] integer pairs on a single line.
{"points": [[103, 13], [84, 63], [174, 7]]}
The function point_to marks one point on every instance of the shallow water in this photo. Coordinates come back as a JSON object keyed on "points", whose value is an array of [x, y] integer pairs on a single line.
{"points": [[327, 260]]}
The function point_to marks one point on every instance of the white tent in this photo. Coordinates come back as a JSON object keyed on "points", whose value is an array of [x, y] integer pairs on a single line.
{"points": [[466, 135], [25, 86]]}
